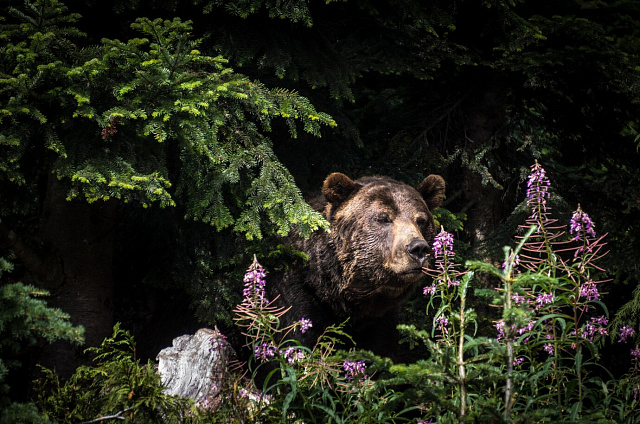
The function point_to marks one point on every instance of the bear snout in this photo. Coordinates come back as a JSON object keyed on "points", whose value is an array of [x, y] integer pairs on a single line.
{"points": [[418, 250]]}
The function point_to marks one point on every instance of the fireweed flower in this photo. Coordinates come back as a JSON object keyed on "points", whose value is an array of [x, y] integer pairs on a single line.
{"points": [[626, 332], [429, 290], [354, 369], [292, 355], [517, 299], [595, 326], [525, 329], [443, 244], [442, 322], [518, 361], [589, 290], [543, 299], [217, 342], [253, 293], [537, 190], [515, 259], [581, 225], [635, 353], [443, 253], [305, 324], [500, 328], [264, 351]]}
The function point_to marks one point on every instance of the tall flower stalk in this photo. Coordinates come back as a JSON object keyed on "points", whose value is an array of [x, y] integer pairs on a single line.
{"points": [[299, 381], [550, 302], [450, 286]]}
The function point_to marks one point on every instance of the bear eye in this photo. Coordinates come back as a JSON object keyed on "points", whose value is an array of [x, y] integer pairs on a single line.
{"points": [[383, 217], [421, 220]]}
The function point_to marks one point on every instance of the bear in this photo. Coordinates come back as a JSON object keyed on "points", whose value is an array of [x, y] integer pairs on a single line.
{"points": [[368, 263]]}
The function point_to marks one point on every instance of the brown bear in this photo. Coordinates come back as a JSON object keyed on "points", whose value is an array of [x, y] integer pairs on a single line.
{"points": [[369, 262]]}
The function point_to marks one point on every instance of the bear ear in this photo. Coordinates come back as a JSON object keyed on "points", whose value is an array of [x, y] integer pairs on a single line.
{"points": [[338, 187], [432, 190]]}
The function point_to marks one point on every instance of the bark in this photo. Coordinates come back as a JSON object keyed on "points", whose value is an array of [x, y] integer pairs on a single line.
{"points": [[484, 209], [196, 365], [77, 247], [483, 201]]}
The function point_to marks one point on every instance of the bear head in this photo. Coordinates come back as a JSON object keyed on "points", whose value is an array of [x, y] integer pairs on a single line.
{"points": [[382, 231]]}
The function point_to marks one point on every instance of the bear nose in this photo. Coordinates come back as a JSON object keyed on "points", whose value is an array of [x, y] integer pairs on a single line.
{"points": [[418, 249]]}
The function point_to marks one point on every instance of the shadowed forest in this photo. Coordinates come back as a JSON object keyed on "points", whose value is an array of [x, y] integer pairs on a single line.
{"points": [[150, 148]]}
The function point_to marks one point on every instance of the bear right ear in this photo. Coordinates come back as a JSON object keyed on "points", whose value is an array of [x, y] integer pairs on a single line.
{"points": [[432, 191], [338, 187]]}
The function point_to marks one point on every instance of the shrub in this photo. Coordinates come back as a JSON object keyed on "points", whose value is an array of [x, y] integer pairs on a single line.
{"points": [[117, 386], [25, 318]]}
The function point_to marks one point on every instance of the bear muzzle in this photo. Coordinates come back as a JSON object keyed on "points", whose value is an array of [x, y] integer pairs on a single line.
{"points": [[418, 250]]}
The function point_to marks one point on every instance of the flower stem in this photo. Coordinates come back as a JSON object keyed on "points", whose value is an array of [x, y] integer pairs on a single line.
{"points": [[462, 373]]}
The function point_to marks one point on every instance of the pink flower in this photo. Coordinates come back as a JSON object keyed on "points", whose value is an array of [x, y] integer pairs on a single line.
{"points": [[305, 324], [354, 369], [543, 299], [590, 291], [537, 189], [442, 322], [443, 244], [626, 332], [253, 292], [264, 351], [517, 299], [581, 225], [429, 290], [292, 355]]}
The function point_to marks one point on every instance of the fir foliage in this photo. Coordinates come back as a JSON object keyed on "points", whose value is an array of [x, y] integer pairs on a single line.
{"points": [[117, 385], [151, 120], [25, 319]]}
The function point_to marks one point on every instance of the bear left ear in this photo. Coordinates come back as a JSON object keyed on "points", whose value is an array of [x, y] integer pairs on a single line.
{"points": [[338, 187], [432, 191]]}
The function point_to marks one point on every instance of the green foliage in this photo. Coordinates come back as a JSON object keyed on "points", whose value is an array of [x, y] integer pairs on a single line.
{"points": [[25, 318], [544, 363], [118, 384], [22, 413], [151, 120], [295, 11]]}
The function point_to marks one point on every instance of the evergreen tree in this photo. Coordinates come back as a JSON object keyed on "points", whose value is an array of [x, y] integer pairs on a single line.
{"points": [[25, 319], [149, 121]]}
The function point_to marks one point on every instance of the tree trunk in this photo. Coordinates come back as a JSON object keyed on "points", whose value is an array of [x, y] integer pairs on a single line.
{"points": [[78, 240], [484, 201], [484, 211]]}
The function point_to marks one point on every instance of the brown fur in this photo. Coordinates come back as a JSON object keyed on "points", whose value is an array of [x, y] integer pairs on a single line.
{"points": [[370, 261]]}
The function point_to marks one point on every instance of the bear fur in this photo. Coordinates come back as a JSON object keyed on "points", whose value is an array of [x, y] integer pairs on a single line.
{"points": [[367, 265]]}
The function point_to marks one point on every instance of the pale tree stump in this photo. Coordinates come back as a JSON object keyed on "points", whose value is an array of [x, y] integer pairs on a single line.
{"points": [[195, 366]]}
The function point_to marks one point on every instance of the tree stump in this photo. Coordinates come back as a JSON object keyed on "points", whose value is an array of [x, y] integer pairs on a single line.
{"points": [[195, 366]]}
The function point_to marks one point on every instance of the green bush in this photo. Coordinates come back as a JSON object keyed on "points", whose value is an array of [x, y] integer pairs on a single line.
{"points": [[24, 319]]}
